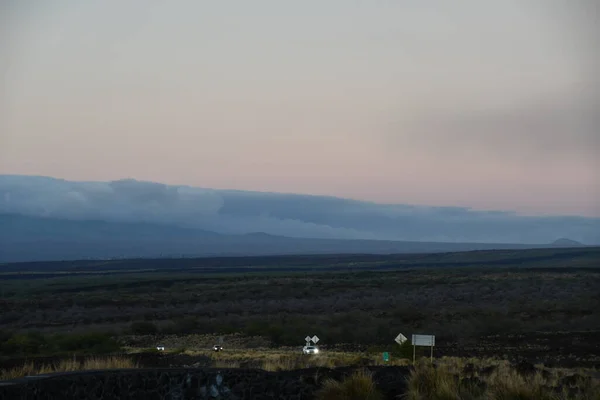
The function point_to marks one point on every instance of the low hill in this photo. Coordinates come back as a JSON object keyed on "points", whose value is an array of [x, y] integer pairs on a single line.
{"points": [[27, 238], [564, 242]]}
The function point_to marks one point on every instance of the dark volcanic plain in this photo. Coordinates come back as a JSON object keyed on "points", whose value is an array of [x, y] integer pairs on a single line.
{"points": [[539, 305]]}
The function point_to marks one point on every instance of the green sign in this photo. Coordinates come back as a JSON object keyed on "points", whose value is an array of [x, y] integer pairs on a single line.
{"points": [[386, 356]]}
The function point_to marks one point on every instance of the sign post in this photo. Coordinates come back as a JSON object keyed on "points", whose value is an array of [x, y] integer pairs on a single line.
{"points": [[400, 339], [422, 340]]}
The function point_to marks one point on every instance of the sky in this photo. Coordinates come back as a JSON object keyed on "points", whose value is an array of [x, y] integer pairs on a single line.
{"points": [[483, 105]]}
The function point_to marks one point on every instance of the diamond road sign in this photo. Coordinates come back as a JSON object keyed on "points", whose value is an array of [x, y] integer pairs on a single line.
{"points": [[400, 339], [315, 339], [307, 339]]}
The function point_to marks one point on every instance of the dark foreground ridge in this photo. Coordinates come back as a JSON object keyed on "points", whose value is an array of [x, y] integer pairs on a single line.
{"points": [[240, 384]]}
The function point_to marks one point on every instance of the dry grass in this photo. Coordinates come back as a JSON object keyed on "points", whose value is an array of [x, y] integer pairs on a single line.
{"points": [[358, 386], [281, 360], [509, 385], [69, 365], [451, 378], [448, 381], [428, 383], [456, 365]]}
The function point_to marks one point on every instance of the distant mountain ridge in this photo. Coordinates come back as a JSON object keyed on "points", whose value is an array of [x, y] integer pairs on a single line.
{"points": [[24, 227], [57, 218], [564, 242], [27, 238]]}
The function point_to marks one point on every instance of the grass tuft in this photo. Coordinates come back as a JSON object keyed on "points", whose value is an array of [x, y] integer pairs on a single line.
{"points": [[447, 382], [427, 382], [358, 386]]}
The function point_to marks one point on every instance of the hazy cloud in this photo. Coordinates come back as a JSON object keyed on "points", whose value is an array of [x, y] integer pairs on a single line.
{"points": [[550, 128], [279, 214], [124, 200]]}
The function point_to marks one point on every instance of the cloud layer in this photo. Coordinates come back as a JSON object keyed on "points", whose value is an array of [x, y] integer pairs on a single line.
{"points": [[294, 215]]}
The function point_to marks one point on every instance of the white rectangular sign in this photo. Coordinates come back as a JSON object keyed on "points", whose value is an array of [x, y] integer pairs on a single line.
{"points": [[423, 340]]}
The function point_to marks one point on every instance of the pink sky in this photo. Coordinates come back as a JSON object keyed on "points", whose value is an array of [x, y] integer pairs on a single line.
{"points": [[392, 102]]}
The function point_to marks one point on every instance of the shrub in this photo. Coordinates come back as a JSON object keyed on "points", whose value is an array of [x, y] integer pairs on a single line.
{"points": [[278, 333], [34, 343], [94, 343], [184, 325], [358, 386], [405, 350], [31, 343], [399, 352], [427, 382], [510, 385], [4, 336], [143, 328]]}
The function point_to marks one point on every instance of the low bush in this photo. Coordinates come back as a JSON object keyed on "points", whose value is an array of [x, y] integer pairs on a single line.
{"points": [[404, 351], [143, 328], [431, 382], [88, 343], [35, 344], [183, 325], [358, 386]]}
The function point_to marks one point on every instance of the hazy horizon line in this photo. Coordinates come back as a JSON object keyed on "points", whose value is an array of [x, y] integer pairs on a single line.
{"points": [[317, 195]]}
